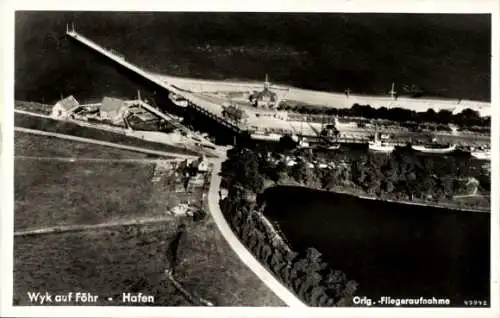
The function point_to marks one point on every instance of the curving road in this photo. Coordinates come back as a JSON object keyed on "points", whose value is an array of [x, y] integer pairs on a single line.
{"points": [[213, 203]]}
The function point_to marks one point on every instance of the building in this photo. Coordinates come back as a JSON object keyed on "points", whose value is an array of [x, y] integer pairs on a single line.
{"points": [[113, 109], [201, 165], [265, 98], [65, 107]]}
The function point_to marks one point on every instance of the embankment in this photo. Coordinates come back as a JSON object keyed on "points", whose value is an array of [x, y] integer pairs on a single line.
{"points": [[305, 273]]}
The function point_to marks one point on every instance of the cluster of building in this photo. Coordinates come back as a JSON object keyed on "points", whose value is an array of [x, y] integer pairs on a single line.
{"points": [[182, 177], [111, 110], [291, 161]]}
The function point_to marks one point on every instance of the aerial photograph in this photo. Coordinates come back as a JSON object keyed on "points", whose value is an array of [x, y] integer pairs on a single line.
{"points": [[252, 159]]}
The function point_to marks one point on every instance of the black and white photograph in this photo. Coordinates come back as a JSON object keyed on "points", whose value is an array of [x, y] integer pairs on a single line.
{"points": [[290, 159]]}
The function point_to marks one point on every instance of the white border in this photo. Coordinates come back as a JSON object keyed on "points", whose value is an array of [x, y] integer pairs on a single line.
{"points": [[6, 176]]}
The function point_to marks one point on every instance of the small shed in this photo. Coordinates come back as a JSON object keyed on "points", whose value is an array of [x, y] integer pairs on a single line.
{"points": [[65, 107], [201, 165]]}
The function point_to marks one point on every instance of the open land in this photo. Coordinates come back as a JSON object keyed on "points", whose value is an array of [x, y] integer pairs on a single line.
{"points": [[34, 145], [112, 260]]}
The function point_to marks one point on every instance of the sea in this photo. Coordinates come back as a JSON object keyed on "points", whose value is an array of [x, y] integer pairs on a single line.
{"points": [[389, 249], [446, 55]]}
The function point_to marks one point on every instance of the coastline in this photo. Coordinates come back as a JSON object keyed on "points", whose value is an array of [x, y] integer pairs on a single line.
{"points": [[330, 99], [356, 194]]}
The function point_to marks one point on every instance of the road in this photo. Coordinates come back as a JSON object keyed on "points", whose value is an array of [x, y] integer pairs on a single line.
{"points": [[87, 159], [213, 203], [84, 227]]}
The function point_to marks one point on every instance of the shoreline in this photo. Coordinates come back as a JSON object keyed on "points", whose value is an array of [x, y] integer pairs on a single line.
{"points": [[331, 99], [373, 198]]}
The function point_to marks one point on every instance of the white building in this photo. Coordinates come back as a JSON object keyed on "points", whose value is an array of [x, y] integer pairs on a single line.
{"points": [[201, 164], [265, 98], [113, 109], [65, 107]]}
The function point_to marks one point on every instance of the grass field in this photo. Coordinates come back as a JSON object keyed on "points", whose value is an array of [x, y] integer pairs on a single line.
{"points": [[219, 275], [104, 262], [26, 144], [51, 125], [65, 193], [33, 107], [108, 261]]}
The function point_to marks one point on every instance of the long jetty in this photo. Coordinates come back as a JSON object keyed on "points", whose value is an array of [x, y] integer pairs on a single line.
{"points": [[207, 108]]}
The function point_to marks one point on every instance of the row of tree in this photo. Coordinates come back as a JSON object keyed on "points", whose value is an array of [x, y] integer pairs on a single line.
{"points": [[402, 175], [466, 118], [305, 273]]}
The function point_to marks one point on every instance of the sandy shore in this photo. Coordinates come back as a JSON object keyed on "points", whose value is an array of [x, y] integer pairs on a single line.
{"points": [[329, 99]]}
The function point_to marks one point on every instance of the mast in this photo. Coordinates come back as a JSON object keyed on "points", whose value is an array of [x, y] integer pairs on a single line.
{"points": [[266, 83], [347, 92], [393, 92]]}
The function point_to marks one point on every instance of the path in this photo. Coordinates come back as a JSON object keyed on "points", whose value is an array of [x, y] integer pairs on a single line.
{"points": [[213, 203], [100, 160], [84, 227], [104, 143]]}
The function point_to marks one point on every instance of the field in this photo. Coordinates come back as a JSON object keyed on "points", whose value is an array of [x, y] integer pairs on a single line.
{"points": [[219, 272], [34, 107], [108, 262], [104, 262], [26, 144], [119, 258], [65, 193]]}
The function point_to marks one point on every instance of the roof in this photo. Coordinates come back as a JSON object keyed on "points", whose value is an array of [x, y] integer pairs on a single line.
{"points": [[68, 102], [264, 93], [146, 116], [111, 104]]}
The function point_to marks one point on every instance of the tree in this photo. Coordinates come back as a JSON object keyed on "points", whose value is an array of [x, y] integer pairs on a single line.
{"points": [[328, 179], [233, 113], [242, 167], [300, 172], [286, 144]]}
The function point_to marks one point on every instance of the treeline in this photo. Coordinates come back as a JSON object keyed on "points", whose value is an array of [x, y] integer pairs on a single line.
{"points": [[408, 175], [466, 118], [305, 273], [402, 175]]}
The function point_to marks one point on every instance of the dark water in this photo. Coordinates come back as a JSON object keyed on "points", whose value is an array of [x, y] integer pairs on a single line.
{"points": [[447, 55], [390, 249]]}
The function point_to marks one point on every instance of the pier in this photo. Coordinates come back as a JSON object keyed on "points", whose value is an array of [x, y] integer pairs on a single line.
{"points": [[211, 110]]}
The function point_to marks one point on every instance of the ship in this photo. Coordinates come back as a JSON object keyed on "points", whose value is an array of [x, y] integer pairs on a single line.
{"points": [[381, 143], [329, 137], [334, 146], [303, 143], [481, 154], [434, 148], [380, 146], [178, 100], [266, 136]]}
